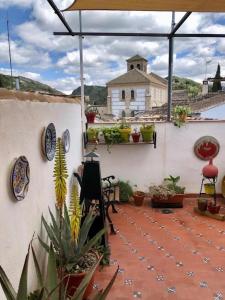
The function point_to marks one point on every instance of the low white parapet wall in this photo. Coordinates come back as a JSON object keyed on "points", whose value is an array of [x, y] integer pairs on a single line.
{"points": [[143, 165]]}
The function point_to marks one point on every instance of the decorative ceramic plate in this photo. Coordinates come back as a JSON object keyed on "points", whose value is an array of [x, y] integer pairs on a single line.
{"points": [[206, 148], [223, 186], [20, 178], [66, 140], [49, 141]]}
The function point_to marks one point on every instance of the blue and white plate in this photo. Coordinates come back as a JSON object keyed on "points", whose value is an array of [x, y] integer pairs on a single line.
{"points": [[49, 141]]}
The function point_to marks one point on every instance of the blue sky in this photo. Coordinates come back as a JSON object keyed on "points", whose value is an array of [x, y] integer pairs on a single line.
{"points": [[37, 54]]}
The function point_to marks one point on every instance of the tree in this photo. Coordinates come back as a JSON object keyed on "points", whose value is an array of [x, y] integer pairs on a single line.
{"points": [[217, 81]]}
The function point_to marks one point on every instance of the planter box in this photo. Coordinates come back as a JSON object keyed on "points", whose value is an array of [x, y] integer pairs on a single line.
{"points": [[175, 201]]}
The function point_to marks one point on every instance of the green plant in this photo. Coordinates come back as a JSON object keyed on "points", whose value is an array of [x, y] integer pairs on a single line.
{"points": [[60, 174], [161, 191], [179, 114], [124, 125], [70, 252], [112, 136], [147, 132], [125, 190], [172, 184], [147, 126], [47, 287]]}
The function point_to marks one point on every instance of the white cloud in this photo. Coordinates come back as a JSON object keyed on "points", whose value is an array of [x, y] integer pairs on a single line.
{"points": [[7, 3], [105, 57], [23, 55]]}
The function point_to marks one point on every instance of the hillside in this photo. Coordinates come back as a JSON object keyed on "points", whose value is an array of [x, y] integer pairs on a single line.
{"points": [[97, 94], [27, 84], [191, 86]]}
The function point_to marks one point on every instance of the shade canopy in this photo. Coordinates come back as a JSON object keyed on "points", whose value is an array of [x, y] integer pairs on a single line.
{"points": [[150, 5]]}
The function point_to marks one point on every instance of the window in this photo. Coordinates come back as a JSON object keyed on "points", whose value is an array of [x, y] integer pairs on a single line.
{"points": [[131, 67], [139, 66], [132, 94], [123, 95]]}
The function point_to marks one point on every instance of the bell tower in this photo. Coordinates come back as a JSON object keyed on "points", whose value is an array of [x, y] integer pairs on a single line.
{"points": [[137, 62]]}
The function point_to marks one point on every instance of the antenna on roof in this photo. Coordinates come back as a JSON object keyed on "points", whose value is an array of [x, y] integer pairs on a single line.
{"points": [[10, 56]]}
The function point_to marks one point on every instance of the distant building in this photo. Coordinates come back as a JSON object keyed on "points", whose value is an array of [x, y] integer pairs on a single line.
{"points": [[136, 89]]}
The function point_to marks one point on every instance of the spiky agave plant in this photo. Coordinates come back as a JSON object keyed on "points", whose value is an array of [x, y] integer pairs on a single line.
{"points": [[47, 287], [60, 174], [75, 212]]}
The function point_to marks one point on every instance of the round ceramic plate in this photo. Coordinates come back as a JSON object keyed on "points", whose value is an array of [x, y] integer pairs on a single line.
{"points": [[20, 178], [206, 148], [223, 186], [49, 141], [66, 140]]}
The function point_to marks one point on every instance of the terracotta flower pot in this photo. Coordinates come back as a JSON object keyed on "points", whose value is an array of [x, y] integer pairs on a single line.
{"points": [[213, 209], [136, 137], [138, 198], [90, 116], [73, 281]]}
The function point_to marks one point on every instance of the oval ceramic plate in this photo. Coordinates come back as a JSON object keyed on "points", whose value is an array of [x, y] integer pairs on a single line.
{"points": [[223, 186], [20, 178], [49, 141], [206, 148], [66, 140]]}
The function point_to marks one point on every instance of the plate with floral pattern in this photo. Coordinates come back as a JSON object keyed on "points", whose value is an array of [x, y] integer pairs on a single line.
{"points": [[20, 178]]}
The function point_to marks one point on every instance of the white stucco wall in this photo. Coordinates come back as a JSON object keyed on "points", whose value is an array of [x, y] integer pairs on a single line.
{"points": [[143, 165], [21, 126]]}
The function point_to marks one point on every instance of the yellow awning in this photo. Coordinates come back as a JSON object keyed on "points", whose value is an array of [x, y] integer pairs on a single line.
{"points": [[150, 5]]}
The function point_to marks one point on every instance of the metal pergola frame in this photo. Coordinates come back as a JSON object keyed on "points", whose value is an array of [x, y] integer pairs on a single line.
{"points": [[171, 35]]}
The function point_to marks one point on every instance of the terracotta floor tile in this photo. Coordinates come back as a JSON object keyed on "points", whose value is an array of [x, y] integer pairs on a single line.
{"points": [[179, 256]]}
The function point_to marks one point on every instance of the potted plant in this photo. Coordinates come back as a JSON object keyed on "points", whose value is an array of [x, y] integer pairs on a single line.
{"points": [[138, 197], [172, 184], [90, 114], [125, 131], [147, 132], [136, 136], [202, 204], [112, 136], [180, 114], [92, 134], [75, 253], [160, 195], [125, 190], [48, 288], [213, 208]]}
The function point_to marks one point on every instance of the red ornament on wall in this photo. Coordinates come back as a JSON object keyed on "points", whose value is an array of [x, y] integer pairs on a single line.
{"points": [[206, 148]]}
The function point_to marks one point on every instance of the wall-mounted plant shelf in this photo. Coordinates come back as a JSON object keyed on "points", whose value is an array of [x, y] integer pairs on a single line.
{"points": [[153, 142]]}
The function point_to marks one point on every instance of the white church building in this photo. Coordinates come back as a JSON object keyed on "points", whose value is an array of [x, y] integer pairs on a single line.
{"points": [[136, 90]]}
